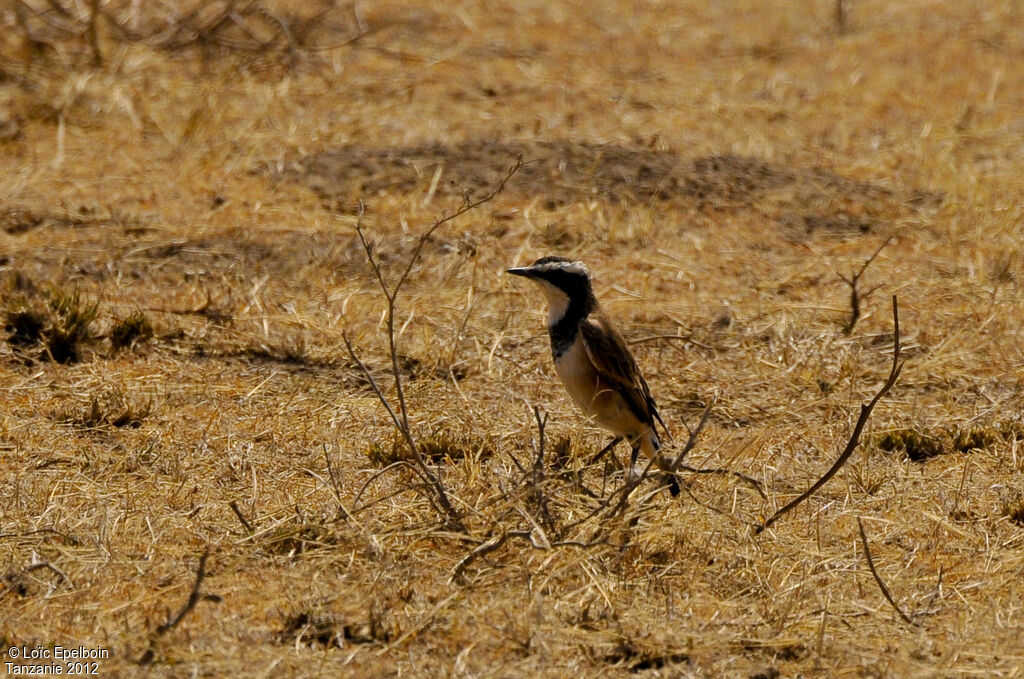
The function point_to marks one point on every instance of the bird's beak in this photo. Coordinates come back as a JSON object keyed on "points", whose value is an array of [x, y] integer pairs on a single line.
{"points": [[523, 271]]}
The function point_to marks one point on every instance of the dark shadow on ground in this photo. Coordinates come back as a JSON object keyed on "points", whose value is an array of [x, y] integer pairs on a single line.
{"points": [[562, 172]]}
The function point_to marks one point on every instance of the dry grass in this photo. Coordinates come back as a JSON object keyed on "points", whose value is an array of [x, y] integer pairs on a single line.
{"points": [[718, 165]]}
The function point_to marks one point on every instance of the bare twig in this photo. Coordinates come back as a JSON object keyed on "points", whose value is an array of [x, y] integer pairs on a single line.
{"points": [[241, 517], [399, 411], [93, 33], [878, 578], [334, 482], [607, 449], [856, 297], [538, 465], [692, 440], [865, 413], [440, 499], [840, 15], [362, 489], [493, 543], [671, 469], [15, 580], [672, 338], [740, 475], [193, 598], [537, 486], [620, 497], [935, 593]]}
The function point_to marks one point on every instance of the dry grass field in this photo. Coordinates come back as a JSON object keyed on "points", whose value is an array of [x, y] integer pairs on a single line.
{"points": [[180, 269]]}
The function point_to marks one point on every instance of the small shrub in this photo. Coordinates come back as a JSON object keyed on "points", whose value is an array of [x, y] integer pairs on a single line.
{"points": [[58, 319], [127, 332], [1015, 511], [436, 448], [328, 629], [113, 410], [298, 537], [25, 326], [917, 446], [70, 325]]}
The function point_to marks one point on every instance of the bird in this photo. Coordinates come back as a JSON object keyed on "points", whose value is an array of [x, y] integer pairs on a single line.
{"points": [[594, 362]]}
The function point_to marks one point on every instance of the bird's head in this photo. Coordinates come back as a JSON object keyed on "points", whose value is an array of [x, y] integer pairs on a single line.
{"points": [[563, 281]]}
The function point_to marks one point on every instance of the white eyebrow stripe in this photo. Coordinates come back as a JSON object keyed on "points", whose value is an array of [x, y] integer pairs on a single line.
{"points": [[571, 267]]}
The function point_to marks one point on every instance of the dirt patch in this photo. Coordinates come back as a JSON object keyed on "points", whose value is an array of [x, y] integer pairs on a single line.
{"points": [[249, 252], [17, 220], [562, 172]]}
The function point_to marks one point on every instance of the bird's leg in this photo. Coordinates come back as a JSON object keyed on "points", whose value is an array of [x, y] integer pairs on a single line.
{"points": [[669, 475], [604, 451], [633, 455]]}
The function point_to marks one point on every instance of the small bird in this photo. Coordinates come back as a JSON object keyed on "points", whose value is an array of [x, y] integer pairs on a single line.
{"points": [[593, 360]]}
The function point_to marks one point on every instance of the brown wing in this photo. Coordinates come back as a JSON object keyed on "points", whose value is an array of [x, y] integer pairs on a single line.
{"points": [[611, 356]]}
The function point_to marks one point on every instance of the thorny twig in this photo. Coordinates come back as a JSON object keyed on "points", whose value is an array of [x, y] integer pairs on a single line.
{"points": [[878, 578], [865, 413], [855, 296], [194, 596], [400, 412], [739, 475], [440, 497], [692, 440], [15, 580], [241, 517], [536, 490]]}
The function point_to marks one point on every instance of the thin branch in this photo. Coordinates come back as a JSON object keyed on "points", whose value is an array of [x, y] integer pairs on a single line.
{"points": [[740, 475], [627, 489], [93, 33], [604, 451], [241, 517], [193, 598], [394, 465], [403, 427], [935, 593], [538, 465], [855, 295], [486, 548], [368, 249], [692, 440], [865, 413], [671, 338], [334, 482], [16, 580], [537, 483], [840, 15], [878, 578], [463, 209], [400, 412], [621, 495]]}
